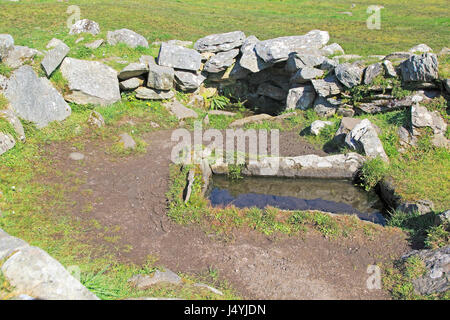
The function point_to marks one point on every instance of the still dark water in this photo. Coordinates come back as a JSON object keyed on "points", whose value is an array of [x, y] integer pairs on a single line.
{"points": [[335, 196]]}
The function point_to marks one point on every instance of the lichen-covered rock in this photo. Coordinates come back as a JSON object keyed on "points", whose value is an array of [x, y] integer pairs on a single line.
{"points": [[301, 98], [90, 82], [420, 48], [126, 36], [389, 69], [96, 119], [421, 117], [349, 75], [220, 42], [332, 49], [298, 61], [423, 68], [180, 111], [278, 49], [179, 57], [34, 99], [85, 26], [160, 77], [131, 84], [94, 44], [364, 137], [420, 206]]}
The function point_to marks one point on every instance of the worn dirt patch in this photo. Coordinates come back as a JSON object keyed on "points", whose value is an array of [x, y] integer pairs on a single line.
{"points": [[127, 195]]}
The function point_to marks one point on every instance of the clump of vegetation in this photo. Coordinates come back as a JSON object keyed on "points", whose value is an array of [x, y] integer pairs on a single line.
{"points": [[5, 70], [216, 102], [372, 172], [235, 171]]}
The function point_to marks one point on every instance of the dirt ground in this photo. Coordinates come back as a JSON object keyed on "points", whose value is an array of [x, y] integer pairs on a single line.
{"points": [[130, 193]]}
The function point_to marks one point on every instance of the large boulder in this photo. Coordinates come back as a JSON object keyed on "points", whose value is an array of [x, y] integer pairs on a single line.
{"points": [[31, 270], [220, 42], [160, 78], [6, 142], [54, 57], [249, 59], [19, 55], [436, 277], [221, 61], [179, 57], [126, 36], [423, 68], [85, 26], [35, 99], [301, 98], [364, 137], [349, 75], [188, 81], [278, 49], [90, 82], [6, 45]]}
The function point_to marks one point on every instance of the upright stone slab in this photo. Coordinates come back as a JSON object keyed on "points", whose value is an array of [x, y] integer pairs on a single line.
{"points": [[220, 42], [276, 50], [423, 68], [34, 99], [349, 75], [90, 82], [301, 98], [160, 78], [249, 59], [54, 57], [179, 57]]}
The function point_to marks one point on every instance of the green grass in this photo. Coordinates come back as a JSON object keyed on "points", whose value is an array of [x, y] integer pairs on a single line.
{"points": [[428, 22]]}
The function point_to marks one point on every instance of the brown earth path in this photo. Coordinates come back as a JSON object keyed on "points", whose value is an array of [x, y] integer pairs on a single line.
{"points": [[130, 193]]}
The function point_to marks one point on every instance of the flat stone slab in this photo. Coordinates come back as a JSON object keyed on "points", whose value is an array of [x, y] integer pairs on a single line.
{"points": [[133, 70], [94, 44], [179, 57], [330, 86], [90, 82], [35, 99], [150, 94], [222, 113], [180, 111], [220, 42], [160, 77]]}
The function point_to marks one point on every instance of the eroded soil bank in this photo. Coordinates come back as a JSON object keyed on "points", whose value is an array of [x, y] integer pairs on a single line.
{"points": [[128, 196]]}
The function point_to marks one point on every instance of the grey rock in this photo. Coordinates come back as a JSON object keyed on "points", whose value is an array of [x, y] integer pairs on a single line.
{"points": [[3, 83], [301, 98], [330, 86], [90, 82], [190, 184], [373, 71], [179, 57], [436, 278], [34, 99], [133, 70], [249, 59], [447, 85], [381, 106], [420, 48], [54, 57], [12, 118], [443, 218], [180, 111], [406, 138], [345, 112], [131, 84], [6, 45], [306, 74], [220, 42], [147, 60], [54, 43], [349, 75], [364, 137], [347, 125], [7, 142], [276, 50], [325, 107], [127, 141], [252, 119], [332, 49], [421, 207], [421, 117], [19, 55], [160, 78], [126, 36], [188, 81], [94, 44], [329, 64], [398, 56], [9, 244], [76, 156], [298, 61], [85, 26], [268, 90], [318, 125], [221, 61], [143, 282], [389, 69], [423, 68], [96, 119], [150, 94], [33, 271]]}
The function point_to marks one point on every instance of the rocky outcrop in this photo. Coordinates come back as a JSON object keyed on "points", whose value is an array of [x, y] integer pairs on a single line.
{"points": [[32, 271], [34, 99], [90, 82]]}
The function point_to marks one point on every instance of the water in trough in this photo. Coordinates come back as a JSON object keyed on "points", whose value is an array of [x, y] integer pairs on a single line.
{"points": [[334, 196]]}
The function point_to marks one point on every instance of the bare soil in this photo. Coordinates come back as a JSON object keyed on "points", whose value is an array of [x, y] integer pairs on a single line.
{"points": [[129, 194]]}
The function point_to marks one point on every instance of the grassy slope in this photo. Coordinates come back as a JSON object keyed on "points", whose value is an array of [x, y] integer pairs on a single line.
{"points": [[404, 23]]}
